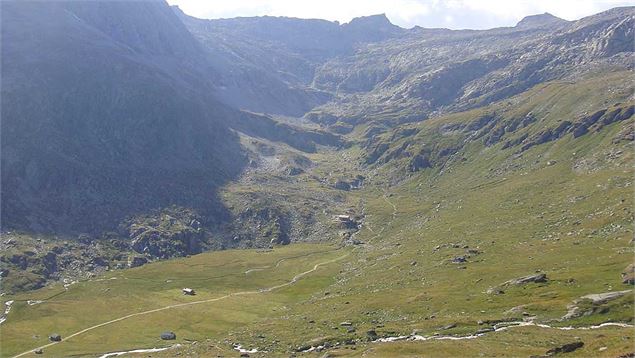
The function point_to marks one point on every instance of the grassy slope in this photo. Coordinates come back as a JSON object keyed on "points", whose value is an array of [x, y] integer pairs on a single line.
{"points": [[522, 214], [568, 220], [157, 285]]}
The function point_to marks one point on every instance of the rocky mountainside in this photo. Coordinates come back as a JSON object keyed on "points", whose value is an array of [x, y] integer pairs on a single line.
{"points": [[433, 71], [135, 132], [267, 64], [104, 115], [370, 69]]}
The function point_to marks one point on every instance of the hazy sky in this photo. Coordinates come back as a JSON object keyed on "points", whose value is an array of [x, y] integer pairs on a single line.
{"points": [[455, 14]]}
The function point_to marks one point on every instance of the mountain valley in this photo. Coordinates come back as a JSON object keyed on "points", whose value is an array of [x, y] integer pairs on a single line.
{"points": [[327, 189]]}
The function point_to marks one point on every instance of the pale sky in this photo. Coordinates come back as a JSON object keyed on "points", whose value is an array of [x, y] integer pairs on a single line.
{"points": [[454, 14]]}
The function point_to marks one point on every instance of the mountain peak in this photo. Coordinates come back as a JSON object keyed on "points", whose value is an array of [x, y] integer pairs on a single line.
{"points": [[378, 20], [540, 20]]}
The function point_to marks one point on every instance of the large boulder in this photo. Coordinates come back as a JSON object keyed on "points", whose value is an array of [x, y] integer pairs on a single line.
{"points": [[168, 336], [537, 278]]}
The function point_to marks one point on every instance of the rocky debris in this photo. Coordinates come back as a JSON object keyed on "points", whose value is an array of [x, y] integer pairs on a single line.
{"points": [[263, 222], [627, 355], [174, 232], [537, 278], [627, 134], [566, 348], [459, 259], [342, 185], [136, 261], [167, 336], [494, 291], [515, 310], [55, 337], [628, 275], [292, 171]]}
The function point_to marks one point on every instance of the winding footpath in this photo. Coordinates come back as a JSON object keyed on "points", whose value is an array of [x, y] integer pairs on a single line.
{"points": [[295, 279]]}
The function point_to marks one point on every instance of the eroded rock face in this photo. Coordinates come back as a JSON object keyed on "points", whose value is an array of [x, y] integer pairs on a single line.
{"points": [[171, 233], [418, 162]]}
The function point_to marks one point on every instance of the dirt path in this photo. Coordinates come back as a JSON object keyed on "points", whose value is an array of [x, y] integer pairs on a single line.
{"points": [[241, 293]]}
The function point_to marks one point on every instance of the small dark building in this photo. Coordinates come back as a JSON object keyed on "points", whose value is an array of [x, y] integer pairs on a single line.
{"points": [[168, 336], [55, 337]]}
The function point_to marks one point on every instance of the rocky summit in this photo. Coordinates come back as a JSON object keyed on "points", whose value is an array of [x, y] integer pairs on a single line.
{"points": [[325, 188]]}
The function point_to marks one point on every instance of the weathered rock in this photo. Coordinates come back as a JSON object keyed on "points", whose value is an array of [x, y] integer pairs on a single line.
{"points": [[167, 336], [342, 185], [598, 298], [566, 348], [449, 326], [537, 278], [459, 259], [495, 291]]}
